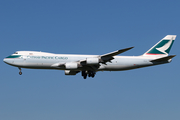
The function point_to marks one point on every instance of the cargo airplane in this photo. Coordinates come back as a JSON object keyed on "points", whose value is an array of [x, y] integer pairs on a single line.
{"points": [[88, 65]]}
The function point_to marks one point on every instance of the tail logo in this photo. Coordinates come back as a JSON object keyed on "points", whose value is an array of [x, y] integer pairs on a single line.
{"points": [[164, 48], [161, 48]]}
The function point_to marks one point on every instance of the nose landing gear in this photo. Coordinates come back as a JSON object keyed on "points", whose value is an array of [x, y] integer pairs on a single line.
{"points": [[20, 73]]}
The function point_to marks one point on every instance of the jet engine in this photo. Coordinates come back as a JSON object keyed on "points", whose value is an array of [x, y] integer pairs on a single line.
{"points": [[92, 61], [71, 65], [70, 72]]}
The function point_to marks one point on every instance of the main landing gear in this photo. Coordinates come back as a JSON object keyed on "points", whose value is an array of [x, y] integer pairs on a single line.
{"points": [[88, 73], [20, 73]]}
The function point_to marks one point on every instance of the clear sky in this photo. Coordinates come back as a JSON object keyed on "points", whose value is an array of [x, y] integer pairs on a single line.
{"points": [[89, 27]]}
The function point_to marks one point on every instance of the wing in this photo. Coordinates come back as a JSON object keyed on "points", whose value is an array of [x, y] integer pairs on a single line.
{"points": [[109, 56], [104, 58], [91, 64]]}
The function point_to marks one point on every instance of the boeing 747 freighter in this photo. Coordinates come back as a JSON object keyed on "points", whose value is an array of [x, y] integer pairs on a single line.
{"points": [[88, 65]]}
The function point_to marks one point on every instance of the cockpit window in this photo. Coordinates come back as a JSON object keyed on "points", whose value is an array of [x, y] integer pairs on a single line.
{"points": [[16, 53]]}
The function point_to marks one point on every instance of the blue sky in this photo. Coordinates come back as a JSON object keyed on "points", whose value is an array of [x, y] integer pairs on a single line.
{"points": [[89, 27]]}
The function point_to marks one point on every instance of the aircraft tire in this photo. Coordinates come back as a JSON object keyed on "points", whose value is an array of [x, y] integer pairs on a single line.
{"points": [[20, 73], [85, 76]]}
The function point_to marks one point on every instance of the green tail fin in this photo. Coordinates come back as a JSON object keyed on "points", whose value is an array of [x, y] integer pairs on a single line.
{"points": [[163, 47]]}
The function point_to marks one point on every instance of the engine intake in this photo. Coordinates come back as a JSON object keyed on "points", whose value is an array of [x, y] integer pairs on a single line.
{"points": [[71, 65], [70, 72], [91, 61]]}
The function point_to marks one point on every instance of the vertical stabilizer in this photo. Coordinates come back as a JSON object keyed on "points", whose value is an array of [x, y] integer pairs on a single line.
{"points": [[163, 47]]}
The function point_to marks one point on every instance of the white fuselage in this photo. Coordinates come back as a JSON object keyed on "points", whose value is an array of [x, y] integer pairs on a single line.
{"points": [[43, 60]]}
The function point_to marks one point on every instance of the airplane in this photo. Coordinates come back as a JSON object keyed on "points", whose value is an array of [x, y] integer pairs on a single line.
{"points": [[88, 65]]}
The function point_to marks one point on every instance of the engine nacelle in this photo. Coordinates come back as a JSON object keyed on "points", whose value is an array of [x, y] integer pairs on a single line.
{"points": [[92, 61], [70, 72], [71, 65]]}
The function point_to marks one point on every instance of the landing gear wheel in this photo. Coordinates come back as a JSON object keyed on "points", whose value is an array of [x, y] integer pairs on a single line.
{"points": [[84, 74], [20, 73], [93, 75], [88, 73]]}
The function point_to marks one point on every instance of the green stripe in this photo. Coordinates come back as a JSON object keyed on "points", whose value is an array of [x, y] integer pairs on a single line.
{"points": [[14, 56]]}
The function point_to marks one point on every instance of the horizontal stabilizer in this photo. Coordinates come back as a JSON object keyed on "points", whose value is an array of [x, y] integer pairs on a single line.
{"points": [[163, 58]]}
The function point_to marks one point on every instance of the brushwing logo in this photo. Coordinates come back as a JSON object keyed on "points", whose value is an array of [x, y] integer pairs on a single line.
{"points": [[161, 48], [164, 48]]}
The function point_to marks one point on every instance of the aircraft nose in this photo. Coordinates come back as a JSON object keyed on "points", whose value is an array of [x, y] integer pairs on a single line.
{"points": [[7, 61]]}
